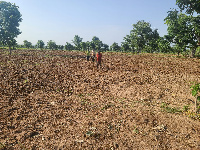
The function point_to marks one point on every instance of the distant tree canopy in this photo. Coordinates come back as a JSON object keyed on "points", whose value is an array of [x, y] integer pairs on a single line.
{"points": [[27, 44], [69, 46], [10, 18], [51, 45], [40, 44], [77, 41], [115, 47], [96, 43]]}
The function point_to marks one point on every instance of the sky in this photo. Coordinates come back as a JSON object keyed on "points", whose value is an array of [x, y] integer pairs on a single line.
{"points": [[109, 20]]}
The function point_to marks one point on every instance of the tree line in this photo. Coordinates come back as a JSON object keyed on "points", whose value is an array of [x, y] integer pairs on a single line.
{"points": [[76, 44], [183, 33]]}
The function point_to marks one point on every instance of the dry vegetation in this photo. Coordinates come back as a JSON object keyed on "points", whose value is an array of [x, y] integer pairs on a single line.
{"points": [[58, 100]]}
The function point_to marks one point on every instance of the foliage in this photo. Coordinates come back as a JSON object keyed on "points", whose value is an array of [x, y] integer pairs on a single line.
{"points": [[83, 46], [125, 47], [115, 47], [198, 52], [69, 46], [40, 44], [142, 36], [77, 41], [10, 18], [189, 5], [105, 47], [96, 43], [51, 45], [185, 108], [195, 92], [164, 44], [27, 44], [60, 47], [152, 44], [183, 29]]}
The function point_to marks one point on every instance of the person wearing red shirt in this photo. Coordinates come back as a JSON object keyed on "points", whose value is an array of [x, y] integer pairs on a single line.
{"points": [[99, 59]]}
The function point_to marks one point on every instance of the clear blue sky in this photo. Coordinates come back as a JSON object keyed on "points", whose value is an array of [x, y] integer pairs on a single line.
{"points": [[110, 20]]}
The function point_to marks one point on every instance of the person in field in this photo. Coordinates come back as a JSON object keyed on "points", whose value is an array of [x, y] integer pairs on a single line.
{"points": [[93, 54], [88, 55], [99, 59]]}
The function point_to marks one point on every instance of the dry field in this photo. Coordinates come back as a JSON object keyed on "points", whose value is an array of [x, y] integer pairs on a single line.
{"points": [[58, 100]]}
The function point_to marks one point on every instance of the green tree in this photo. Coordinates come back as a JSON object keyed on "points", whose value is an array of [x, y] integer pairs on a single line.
{"points": [[40, 44], [130, 42], [183, 29], [60, 47], [92, 45], [164, 44], [83, 46], [96, 43], [105, 47], [27, 44], [10, 18], [189, 5], [51, 45], [115, 47], [142, 36], [88, 45], [152, 44], [77, 41], [125, 47], [69, 46]]}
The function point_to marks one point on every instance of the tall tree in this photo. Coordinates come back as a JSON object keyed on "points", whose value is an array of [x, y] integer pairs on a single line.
{"points": [[142, 36], [40, 44], [77, 41], [97, 43], [83, 46], [152, 44], [10, 18], [51, 45], [183, 29]]}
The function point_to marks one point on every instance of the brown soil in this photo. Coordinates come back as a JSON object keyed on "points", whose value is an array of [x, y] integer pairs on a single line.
{"points": [[58, 100]]}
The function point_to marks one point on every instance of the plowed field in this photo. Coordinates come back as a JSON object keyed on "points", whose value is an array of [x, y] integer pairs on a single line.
{"points": [[58, 100]]}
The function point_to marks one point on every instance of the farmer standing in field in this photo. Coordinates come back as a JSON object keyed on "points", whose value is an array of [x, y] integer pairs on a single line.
{"points": [[88, 54], [93, 54], [99, 59]]}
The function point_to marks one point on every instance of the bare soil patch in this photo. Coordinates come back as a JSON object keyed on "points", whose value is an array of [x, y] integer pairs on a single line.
{"points": [[58, 100]]}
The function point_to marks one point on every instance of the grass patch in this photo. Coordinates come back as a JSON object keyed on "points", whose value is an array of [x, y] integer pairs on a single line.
{"points": [[169, 109]]}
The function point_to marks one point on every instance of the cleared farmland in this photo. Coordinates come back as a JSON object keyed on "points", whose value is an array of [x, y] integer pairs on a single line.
{"points": [[58, 100]]}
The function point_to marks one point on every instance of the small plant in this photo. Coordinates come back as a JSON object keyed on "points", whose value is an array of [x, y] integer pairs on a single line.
{"points": [[169, 109], [136, 130], [195, 92], [185, 108], [193, 115]]}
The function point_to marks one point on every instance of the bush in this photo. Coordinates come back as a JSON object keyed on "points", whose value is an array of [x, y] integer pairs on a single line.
{"points": [[198, 52]]}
